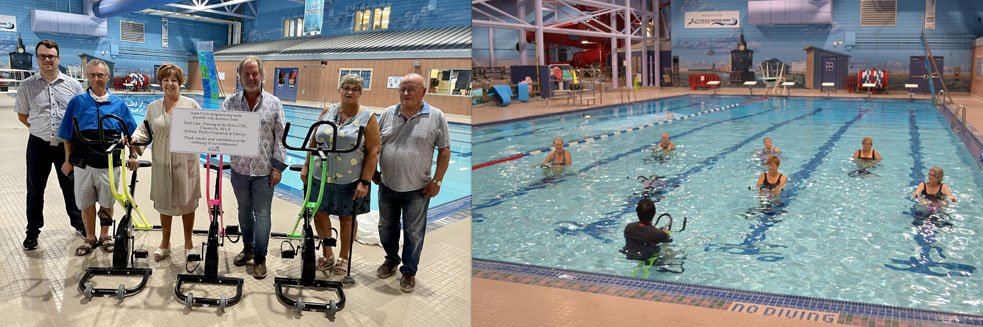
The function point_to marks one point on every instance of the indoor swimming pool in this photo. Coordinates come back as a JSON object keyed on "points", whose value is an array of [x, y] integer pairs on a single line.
{"points": [[838, 234]]}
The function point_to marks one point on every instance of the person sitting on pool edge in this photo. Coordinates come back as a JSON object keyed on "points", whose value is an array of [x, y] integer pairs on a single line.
{"points": [[772, 181], [558, 157], [941, 193], [641, 238]]}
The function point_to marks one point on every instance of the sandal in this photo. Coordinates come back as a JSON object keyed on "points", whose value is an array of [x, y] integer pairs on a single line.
{"points": [[161, 254], [107, 243], [341, 267], [325, 263], [86, 247]]}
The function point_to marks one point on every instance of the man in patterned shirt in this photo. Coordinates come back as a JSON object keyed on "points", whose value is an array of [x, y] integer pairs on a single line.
{"points": [[41, 102], [253, 178]]}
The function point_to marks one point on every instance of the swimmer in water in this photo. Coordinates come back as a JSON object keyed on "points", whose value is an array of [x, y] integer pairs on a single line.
{"points": [[772, 182], [558, 156], [933, 193], [866, 157]]}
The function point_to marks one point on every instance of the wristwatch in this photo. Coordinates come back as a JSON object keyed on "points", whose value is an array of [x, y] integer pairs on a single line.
{"points": [[363, 181], [436, 182]]}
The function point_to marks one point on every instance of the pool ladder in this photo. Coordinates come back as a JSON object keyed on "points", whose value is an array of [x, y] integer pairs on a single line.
{"points": [[959, 116]]}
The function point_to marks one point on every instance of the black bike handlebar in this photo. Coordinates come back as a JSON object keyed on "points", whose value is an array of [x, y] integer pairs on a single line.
{"points": [[334, 140]]}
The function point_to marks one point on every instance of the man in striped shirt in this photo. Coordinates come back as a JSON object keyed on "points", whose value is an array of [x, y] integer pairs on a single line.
{"points": [[411, 130], [41, 102]]}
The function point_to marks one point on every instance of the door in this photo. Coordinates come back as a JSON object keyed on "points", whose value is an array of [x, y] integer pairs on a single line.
{"points": [[285, 84], [919, 74], [829, 70]]}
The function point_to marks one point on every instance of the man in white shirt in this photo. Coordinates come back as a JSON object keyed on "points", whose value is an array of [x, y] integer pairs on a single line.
{"points": [[41, 102]]}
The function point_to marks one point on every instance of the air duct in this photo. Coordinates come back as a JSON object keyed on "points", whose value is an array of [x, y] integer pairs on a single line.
{"points": [[109, 8], [43, 21]]}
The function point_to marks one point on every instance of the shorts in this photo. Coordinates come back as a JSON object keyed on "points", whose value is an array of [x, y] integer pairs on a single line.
{"points": [[92, 185], [338, 199]]}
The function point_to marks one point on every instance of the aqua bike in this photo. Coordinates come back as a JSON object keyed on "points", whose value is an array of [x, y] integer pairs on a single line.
{"points": [[308, 278], [215, 240], [124, 256]]}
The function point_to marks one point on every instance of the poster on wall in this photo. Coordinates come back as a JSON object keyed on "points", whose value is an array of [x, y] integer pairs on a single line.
{"points": [[712, 19], [8, 23], [163, 32], [313, 16], [930, 14], [393, 82]]}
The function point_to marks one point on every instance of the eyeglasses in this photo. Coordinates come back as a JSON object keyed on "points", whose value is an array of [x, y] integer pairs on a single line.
{"points": [[47, 57], [98, 76], [408, 89], [351, 89]]}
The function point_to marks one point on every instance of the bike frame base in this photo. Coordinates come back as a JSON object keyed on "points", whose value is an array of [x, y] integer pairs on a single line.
{"points": [[107, 271]]}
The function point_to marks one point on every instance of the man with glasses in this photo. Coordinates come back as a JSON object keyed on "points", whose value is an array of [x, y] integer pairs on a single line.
{"points": [[40, 105], [411, 130], [87, 161]]}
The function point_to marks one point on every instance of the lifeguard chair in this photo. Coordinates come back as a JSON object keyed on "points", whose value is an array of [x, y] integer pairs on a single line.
{"points": [[872, 81]]}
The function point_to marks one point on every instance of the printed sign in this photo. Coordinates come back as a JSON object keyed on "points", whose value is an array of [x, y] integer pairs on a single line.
{"points": [[163, 32], [930, 14], [215, 132], [712, 19], [313, 16], [8, 24], [393, 82]]}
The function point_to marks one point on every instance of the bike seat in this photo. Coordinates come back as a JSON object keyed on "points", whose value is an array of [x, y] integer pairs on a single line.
{"points": [[225, 165]]}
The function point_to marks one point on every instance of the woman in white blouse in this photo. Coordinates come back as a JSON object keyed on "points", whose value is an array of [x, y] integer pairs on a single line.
{"points": [[175, 179]]}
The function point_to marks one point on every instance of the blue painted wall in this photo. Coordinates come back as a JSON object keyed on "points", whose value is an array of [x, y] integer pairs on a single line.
{"points": [[132, 56], [339, 16], [888, 48]]}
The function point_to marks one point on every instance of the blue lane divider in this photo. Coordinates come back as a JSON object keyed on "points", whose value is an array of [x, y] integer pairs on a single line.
{"points": [[597, 229], [646, 112], [604, 136], [767, 216], [545, 182], [925, 235]]}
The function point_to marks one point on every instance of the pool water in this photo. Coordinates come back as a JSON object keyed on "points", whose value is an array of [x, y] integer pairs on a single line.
{"points": [[837, 235], [457, 180]]}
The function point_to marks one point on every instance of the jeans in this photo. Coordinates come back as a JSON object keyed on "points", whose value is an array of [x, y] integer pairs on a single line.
{"points": [[255, 198], [412, 206], [41, 156]]}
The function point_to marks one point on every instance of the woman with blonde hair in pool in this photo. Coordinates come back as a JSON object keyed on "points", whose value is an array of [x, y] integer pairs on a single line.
{"points": [[933, 193], [772, 181], [558, 156], [866, 157]]}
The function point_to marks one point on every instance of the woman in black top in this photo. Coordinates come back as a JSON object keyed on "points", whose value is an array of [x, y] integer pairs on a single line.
{"points": [[772, 181], [934, 191]]}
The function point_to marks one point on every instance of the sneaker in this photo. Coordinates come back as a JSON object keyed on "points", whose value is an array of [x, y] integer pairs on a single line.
{"points": [[244, 257], [80, 232], [385, 270], [407, 283], [259, 270], [31, 243]]}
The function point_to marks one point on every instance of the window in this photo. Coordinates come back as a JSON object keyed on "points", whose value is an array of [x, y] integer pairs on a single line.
{"points": [[450, 81], [366, 74], [878, 12], [294, 27], [131, 31], [371, 19]]}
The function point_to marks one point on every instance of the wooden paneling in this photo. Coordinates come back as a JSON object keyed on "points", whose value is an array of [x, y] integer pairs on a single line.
{"points": [[318, 83], [976, 84]]}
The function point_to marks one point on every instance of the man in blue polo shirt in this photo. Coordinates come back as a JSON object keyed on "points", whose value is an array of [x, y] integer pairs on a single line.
{"points": [[88, 161]]}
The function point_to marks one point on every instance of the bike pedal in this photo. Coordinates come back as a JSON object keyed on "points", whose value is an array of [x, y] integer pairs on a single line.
{"points": [[329, 241], [288, 254], [232, 230], [194, 257], [140, 254]]}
